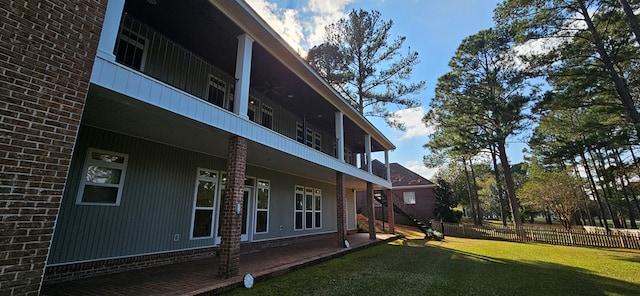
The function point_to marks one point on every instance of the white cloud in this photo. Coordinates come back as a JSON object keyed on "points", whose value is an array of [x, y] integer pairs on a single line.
{"points": [[286, 22], [412, 119], [301, 28], [323, 14], [419, 168]]}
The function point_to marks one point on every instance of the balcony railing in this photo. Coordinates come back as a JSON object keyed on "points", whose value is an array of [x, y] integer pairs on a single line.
{"points": [[144, 49]]}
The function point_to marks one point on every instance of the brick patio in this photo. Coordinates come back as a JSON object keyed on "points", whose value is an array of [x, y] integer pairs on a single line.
{"points": [[201, 276]]}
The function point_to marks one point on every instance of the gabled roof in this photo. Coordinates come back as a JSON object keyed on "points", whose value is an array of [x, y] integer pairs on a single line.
{"points": [[401, 176]]}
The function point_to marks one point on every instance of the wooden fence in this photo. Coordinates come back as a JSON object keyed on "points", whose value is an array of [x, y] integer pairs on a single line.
{"points": [[592, 237]]}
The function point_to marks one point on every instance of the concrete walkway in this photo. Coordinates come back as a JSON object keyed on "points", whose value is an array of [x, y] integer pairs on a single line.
{"points": [[200, 276]]}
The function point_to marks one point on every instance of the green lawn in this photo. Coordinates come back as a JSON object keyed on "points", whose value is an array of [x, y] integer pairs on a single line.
{"points": [[464, 267]]}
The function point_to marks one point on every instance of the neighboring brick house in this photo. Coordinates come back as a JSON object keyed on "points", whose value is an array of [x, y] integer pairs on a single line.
{"points": [[412, 193], [137, 133]]}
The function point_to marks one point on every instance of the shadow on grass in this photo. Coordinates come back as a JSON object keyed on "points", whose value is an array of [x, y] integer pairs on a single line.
{"points": [[416, 267], [484, 275]]}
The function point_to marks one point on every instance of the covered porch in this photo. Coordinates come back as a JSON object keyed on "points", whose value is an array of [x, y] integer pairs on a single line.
{"points": [[200, 276]]}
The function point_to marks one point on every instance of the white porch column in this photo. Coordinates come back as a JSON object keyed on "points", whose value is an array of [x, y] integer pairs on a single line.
{"points": [[110, 28], [340, 136], [243, 73], [386, 163], [367, 150]]}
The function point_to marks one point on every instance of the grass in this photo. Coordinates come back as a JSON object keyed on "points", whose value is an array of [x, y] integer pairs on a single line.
{"points": [[458, 266]]}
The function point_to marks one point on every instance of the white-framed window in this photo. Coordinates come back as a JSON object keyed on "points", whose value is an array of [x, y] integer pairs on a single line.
{"points": [[309, 137], [317, 208], [307, 208], [262, 206], [300, 132], [267, 116], [204, 203], [298, 208], [217, 91], [132, 49], [252, 111], [102, 178], [409, 197]]}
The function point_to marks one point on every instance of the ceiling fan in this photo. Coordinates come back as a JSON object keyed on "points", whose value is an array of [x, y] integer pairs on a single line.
{"points": [[269, 88]]}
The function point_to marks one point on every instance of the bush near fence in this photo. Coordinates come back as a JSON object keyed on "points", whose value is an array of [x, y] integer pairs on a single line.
{"points": [[580, 236]]}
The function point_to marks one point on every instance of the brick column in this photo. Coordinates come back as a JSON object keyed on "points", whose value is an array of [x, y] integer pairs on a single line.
{"points": [[341, 209], [230, 229], [390, 212], [47, 50], [371, 211]]}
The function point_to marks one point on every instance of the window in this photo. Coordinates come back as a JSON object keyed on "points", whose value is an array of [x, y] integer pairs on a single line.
{"points": [[262, 206], [299, 132], [307, 208], [299, 207], [409, 198], [267, 116], [309, 137], [103, 179], [216, 93], [203, 205], [317, 208], [253, 109], [131, 49]]}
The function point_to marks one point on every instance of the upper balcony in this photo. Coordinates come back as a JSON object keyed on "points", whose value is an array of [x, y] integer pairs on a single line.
{"points": [[192, 46]]}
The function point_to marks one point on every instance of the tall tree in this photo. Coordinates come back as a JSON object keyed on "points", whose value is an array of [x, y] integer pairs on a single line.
{"points": [[445, 202], [361, 61], [563, 24], [485, 95]]}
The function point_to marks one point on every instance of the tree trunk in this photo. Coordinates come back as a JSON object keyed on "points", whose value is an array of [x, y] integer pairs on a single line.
{"points": [[503, 215], [587, 169], [586, 199], [466, 174], [631, 17], [511, 191], [607, 189], [620, 84], [625, 189], [475, 192]]}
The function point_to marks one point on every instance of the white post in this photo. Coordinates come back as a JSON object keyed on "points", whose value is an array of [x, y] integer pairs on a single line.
{"points": [[386, 163], [367, 149], [110, 29], [340, 136], [243, 74]]}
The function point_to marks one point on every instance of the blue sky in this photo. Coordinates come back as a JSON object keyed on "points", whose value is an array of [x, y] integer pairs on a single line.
{"points": [[434, 28]]}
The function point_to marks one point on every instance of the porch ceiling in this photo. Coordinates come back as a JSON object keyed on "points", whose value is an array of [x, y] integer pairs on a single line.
{"points": [[205, 30], [118, 113]]}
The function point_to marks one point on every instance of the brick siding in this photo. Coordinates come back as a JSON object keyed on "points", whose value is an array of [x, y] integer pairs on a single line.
{"points": [[47, 50], [233, 195]]}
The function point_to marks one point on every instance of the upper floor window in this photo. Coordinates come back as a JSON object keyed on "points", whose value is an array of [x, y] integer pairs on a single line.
{"points": [[309, 137], [267, 116], [252, 111], [217, 91], [131, 49], [103, 178]]}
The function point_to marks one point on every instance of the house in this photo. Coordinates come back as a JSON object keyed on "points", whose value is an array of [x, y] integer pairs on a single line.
{"points": [[137, 133], [412, 195]]}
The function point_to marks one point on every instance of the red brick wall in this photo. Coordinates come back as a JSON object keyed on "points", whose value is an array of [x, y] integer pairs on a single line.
{"points": [[230, 231], [46, 55]]}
